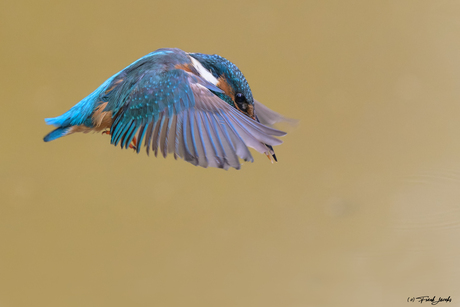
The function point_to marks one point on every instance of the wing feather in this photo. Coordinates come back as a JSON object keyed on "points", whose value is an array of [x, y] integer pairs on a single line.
{"points": [[189, 153], [164, 136], [148, 136], [140, 137], [126, 132], [199, 139], [227, 148], [215, 140], [130, 134], [180, 147], [156, 134], [172, 136], [240, 145]]}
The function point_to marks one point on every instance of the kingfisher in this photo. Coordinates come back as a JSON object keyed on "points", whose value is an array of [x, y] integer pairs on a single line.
{"points": [[195, 106]]}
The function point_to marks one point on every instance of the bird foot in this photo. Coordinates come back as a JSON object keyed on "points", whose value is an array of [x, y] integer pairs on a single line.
{"points": [[133, 144], [270, 157]]}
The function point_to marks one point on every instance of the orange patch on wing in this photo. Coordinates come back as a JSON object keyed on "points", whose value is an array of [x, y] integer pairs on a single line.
{"points": [[228, 90], [187, 68], [102, 120], [113, 86]]}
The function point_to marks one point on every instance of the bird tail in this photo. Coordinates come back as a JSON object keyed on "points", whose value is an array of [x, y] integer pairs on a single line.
{"points": [[55, 121], [56, 133]]}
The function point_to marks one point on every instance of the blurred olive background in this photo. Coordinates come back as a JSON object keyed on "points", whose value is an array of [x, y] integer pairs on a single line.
{"points": [[363, 208]]}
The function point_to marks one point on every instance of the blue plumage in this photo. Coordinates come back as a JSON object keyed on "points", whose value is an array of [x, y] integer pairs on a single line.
{"points": [[198, 107], [56, 133]]}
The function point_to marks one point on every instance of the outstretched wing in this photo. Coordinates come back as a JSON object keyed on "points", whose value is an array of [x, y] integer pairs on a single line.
{"points": [[175, 112]]}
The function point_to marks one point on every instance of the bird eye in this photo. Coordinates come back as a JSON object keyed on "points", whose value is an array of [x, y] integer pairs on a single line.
{"points": [[239, 98]]}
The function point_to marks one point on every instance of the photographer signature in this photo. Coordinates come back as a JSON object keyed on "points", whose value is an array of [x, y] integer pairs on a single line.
{"points": [[426, 298]]}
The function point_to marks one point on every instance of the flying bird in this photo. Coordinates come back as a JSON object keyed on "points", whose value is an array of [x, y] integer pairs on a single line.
{"points": [[196, 106]]}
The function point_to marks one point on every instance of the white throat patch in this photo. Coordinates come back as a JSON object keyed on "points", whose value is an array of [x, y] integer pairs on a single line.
{"points": [[204, 73]]}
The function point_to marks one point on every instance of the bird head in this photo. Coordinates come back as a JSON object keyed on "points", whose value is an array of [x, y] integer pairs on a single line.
{"points": [[236, 90]]}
